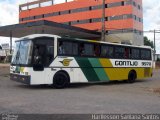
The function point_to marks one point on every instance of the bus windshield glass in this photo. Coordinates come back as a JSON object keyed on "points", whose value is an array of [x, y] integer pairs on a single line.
{"points": [[22, 54]]}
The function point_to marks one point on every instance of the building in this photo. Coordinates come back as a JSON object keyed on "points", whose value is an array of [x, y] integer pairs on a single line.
{"points": [[123, 18], [157, 56]]}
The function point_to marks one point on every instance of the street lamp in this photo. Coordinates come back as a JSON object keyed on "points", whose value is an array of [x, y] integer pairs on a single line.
{"points": [[154, 52]]}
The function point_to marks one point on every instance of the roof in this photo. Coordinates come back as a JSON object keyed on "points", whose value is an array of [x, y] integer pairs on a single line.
{"points": [[46, 27], [37, 36]]}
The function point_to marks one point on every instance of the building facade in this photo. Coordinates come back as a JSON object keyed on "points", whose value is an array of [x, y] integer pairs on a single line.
{"points": [[123, 18], [157, 57]]}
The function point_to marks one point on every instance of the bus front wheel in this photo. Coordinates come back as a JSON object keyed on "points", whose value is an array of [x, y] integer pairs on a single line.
{"points": [[132, 76], [60, 80]]}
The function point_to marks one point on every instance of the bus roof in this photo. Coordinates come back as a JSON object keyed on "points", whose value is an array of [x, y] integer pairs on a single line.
{"points": [[37, 36], [78, 39], [96, 41]]}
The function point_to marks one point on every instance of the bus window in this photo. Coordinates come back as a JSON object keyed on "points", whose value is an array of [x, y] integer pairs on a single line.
{"points": [[127, 53], [67, 48], [39, 52], [49, 54], [88, 50], [145, 54], [119, 52], [96, 50], [75, 48], [81, 49], [60, 48], [135, 53], [106, 51], [43, 52]]}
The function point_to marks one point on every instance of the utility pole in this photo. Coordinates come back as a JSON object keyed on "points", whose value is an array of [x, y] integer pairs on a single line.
{"points": [[154, 46], [103, 32], [11, 42]]}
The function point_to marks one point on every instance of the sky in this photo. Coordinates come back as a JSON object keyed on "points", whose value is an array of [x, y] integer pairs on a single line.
{"points": [[9, 10]]}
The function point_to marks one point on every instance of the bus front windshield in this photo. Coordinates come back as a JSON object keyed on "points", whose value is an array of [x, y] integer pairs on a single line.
{"points": [[22, 54]]}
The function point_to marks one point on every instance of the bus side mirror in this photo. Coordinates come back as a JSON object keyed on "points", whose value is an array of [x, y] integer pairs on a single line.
{"points": [[38, 67]]}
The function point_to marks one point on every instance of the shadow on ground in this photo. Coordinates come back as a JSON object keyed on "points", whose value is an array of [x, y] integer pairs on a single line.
{"points": [[79, 85]]}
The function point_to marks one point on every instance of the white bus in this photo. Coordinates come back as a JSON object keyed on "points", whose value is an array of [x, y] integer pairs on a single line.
{"points": [[54, 60]]}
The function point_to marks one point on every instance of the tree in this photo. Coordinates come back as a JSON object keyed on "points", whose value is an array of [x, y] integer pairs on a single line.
{"points": [[147, 42]]}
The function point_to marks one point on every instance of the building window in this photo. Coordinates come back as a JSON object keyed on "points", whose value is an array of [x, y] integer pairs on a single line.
{"points": [[48, 15], [134, 3], [38, 16], [96, 19], [90, 8], [80, 10], [114, 4], [55, 13], [64, 12], [135, 17], [139, 7], [106, 5], [128, 2], [122, 3], [97, 7]]}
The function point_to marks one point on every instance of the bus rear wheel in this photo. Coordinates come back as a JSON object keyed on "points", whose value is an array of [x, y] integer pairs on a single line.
{"points": [[132, 76], [60, 80]]}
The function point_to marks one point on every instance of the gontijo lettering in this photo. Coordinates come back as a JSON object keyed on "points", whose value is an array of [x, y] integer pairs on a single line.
{"points": [[126, 63]]}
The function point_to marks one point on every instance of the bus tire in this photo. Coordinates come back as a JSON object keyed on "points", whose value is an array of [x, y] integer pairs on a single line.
{"points": [[132, 76], [61, 80]]}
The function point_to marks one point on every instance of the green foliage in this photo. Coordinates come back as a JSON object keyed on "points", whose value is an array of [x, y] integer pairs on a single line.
{"points": [[147, 42]]}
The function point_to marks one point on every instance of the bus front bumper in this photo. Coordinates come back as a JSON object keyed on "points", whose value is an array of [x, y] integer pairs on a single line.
{"points": [[21, 78]]}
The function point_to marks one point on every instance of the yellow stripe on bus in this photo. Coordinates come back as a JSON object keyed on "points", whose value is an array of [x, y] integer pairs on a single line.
{"points": [[105, 62]]}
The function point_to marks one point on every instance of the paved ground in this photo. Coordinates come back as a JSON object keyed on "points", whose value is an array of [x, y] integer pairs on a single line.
{"points": [[118, 97]]}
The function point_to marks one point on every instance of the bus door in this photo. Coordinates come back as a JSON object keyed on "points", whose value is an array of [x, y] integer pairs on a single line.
{"points": [[43, 56]]}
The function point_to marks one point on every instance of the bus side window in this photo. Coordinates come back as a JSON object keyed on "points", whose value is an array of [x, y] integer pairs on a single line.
{"points": [[135, 53], [145, 54], [60, 48], [50, 54], [96, 50], [127, 53], [106, 51], [81, 49], [39, 53], [119, 52]]}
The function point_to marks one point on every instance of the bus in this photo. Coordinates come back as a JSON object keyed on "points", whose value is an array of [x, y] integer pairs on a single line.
{"points": [[41, 59]]}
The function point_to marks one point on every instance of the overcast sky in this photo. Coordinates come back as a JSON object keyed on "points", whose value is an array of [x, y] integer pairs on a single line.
{"points": [[9, 15]]}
